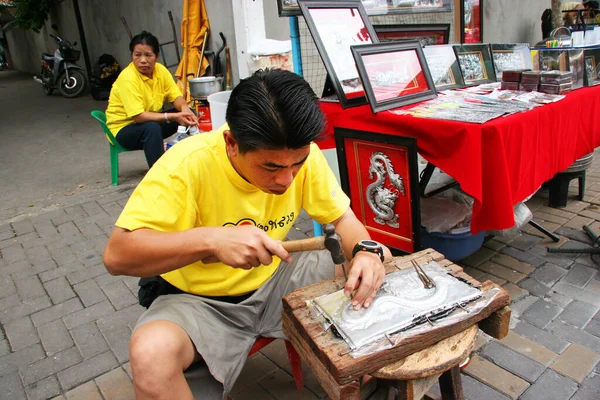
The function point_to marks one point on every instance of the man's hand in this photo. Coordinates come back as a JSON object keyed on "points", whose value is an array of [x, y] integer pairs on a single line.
{"points": [[245, 247], [367, 274]]}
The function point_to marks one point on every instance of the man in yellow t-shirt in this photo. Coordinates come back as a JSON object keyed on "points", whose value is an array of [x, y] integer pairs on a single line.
{"points": [[137, 96], [209, 218]]}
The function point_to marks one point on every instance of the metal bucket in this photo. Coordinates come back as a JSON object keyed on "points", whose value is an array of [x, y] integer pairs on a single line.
{"points": [[581, 164], [202, 87]]}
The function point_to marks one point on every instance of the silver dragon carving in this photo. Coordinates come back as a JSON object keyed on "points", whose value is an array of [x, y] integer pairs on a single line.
{"points": [[381, 199]]}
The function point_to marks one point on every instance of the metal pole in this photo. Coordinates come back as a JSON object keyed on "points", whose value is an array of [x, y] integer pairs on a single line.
{"points": [[84, 49], [295, 37]]}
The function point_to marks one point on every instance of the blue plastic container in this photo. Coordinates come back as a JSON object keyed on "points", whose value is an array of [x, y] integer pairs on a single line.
{"points": [[452, 246]]}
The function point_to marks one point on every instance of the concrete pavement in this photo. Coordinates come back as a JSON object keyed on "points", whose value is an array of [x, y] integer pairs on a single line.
{"points": [[65, 323]]}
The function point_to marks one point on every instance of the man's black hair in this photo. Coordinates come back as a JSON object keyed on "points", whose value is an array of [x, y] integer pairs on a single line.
{"points": [[146, 38], [274, 109]]}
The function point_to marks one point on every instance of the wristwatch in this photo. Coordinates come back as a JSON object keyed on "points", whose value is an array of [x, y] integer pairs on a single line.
{"points": [[370, 246]]}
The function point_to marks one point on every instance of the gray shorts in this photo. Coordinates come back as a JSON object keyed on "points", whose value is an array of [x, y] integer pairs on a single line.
{"points": [[223, 333]]}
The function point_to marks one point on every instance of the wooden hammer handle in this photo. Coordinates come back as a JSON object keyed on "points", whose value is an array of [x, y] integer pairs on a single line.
{"points": [[314, 243]]}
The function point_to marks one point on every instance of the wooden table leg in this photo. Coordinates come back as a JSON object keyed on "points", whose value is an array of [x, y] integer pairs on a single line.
{"points": [[451, 384]]}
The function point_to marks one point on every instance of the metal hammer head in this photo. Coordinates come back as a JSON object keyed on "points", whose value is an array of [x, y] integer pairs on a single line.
{"points": [[333, 243]]}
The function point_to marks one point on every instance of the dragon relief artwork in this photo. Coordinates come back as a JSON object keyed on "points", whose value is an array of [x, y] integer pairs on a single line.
{"points": [[381, 199]]}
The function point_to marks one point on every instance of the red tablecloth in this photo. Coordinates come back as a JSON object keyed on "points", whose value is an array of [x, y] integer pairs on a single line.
{"points": [[499, 163]]}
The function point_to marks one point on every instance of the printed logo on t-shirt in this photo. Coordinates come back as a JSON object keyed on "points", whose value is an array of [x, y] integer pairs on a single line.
{"points": [[269, 225]]}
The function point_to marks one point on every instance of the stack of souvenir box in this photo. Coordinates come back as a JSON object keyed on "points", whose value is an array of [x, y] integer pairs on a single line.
{"points": [[556, 82], [530, 81], [510, 80]]}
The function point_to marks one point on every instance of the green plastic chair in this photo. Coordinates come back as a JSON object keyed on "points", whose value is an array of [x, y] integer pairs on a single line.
{"points": [[115, 147]]}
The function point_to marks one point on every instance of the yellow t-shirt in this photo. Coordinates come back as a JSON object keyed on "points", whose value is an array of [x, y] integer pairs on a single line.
{"points": [[133, 93], [194, 185]]}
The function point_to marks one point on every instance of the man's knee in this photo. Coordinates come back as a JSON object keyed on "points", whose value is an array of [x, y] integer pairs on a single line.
{"points": [[160, 340]]}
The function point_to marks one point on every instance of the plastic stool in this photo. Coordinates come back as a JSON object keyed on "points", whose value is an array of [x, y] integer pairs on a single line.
{"points": [[559, 187], [317, 229], [293, 356]]}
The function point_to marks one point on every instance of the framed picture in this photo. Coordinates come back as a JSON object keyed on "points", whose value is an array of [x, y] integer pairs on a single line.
{"points": [[592, 66], [425, 34], [393, 74], [471, 23], [335, 26], [511, 56], [444, 68], [475, 63], [290, 7], [552, 60], [379, 174], [557, 59]]}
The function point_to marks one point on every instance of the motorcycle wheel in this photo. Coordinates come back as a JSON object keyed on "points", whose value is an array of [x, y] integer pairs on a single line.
{"points": [[75, 86]]}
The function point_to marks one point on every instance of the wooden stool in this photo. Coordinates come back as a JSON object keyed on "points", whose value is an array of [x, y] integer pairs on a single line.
{"points": [[344, 377], [411, 377]]}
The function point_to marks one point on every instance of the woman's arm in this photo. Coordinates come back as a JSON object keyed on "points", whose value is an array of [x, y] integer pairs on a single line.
{"points": [[184, 117], [188, 116]]}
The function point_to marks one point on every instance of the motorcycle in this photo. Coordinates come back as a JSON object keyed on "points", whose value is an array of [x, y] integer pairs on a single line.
{"points": [[59, 71]]}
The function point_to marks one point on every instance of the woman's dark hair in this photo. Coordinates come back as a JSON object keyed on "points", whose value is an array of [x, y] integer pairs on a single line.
{"points": [[145, 38], [274, 109]]}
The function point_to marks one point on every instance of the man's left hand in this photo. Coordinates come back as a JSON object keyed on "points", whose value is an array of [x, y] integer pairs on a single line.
{"points": [[366, 275]]}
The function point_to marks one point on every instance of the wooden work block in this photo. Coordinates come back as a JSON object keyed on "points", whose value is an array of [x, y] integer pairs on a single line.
{"points": [[329, 357]]}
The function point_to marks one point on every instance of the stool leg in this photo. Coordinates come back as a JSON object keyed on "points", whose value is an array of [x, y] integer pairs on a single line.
{"points": [[581, 180], [451, 385], [397, 389], [114, 166], [558, 191], [295, 364]]}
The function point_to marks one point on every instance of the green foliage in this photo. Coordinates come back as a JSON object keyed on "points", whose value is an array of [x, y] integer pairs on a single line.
{"points": [[32, 14]]}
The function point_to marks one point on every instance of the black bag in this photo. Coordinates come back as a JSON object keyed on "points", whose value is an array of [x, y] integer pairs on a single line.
{"points": [[104, 74], [152, 287]]}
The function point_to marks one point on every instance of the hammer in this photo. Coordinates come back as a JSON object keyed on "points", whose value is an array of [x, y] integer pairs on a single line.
{"points": [[332, 241]]}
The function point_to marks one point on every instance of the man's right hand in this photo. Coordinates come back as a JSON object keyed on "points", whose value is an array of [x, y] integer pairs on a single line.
{"points": [[245, 247]]}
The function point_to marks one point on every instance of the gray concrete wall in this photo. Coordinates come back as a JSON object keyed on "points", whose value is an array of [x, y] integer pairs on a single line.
{"points": [[504, 21], [513, 21], [105, 32], [276, 28]]}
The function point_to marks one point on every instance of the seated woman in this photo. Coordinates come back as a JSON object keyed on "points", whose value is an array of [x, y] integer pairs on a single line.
{"points": [[570, 14], [137, 96]]}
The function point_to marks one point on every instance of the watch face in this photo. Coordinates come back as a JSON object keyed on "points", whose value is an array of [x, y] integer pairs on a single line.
{"points": [[369, 246], [369, 243]]}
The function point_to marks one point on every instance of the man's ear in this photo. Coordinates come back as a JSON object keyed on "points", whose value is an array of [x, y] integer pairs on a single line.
{"points": [[230, 143]]}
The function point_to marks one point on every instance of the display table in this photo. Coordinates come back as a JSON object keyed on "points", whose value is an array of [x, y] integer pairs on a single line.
{"points": [[499, 163]]}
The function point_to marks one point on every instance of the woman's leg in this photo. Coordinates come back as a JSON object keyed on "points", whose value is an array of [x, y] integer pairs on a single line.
{"points": [[147, 136]]}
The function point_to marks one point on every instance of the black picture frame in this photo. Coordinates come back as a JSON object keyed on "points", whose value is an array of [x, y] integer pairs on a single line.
{"points": [[351, 144], [443, 66], [476, 65], [426, 34], [393, 74], [287, 8], [335, 52], [511, 56]]}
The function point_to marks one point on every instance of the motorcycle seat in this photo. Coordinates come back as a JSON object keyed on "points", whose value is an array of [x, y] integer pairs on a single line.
{"points": [[47, 57]]}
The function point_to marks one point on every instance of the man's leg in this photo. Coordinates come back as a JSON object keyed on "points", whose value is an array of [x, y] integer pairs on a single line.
{"points": [[147, 136], [159, 353]]}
